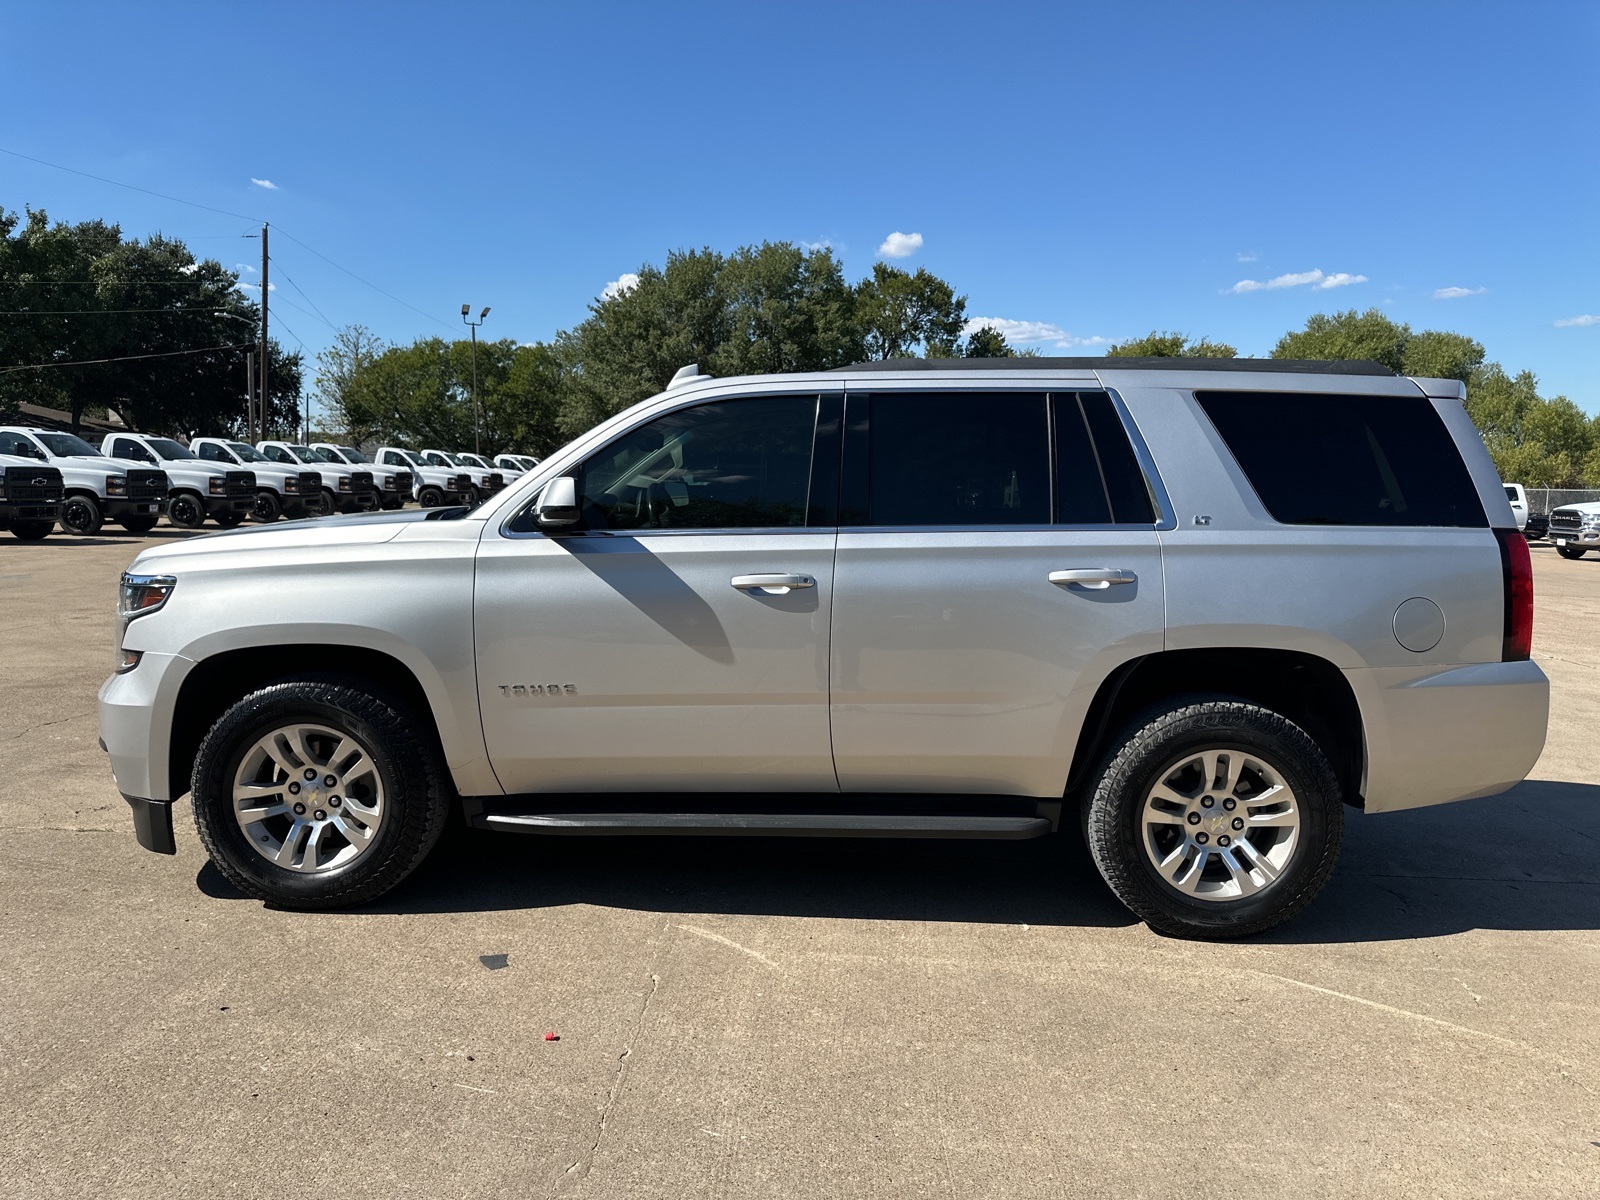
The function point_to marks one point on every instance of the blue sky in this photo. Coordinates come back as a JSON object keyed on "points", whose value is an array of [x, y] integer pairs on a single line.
{"points": [[1081, 171]]}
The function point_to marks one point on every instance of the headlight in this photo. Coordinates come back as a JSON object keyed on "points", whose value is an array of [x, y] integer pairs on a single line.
{"points": [[344, 483], [137, 596], [1591, 520], [219, 486], [116, 485], [388, 483], [291, 484]]}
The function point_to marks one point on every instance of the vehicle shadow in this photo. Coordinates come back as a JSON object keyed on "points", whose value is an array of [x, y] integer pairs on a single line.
{"points": [[1522, 861], [117, 537]]}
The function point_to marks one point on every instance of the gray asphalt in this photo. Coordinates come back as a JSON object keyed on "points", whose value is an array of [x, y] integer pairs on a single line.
{"points": [[782, 1019]]}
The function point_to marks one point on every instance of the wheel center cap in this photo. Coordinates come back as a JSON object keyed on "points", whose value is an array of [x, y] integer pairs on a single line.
{"points": [[1217, 823]]}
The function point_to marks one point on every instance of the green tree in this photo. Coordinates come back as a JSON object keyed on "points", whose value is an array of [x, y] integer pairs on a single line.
{"points": [[1157, 344], [1534, 440], [988, 342], [354, 348], [1373, 337], [900, 313]]}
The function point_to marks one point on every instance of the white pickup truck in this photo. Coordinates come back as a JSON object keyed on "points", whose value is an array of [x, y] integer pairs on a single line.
{"points": [[514, 465], [30, 497], [436, 486], [343, 489], [97, 488], [280, 491], [195, 489], [395, 488], [1575, 529], [485, 482]]}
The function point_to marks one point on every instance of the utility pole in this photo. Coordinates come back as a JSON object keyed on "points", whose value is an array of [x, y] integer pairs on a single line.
{"points": [[477, 417], [249, 394], [262, 410]]}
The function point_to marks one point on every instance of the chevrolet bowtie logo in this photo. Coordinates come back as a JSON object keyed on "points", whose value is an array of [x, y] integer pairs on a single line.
{"points": [[41, 481]]}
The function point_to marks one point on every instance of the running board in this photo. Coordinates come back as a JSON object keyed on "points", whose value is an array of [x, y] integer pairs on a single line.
{"points": [[895, 825]]}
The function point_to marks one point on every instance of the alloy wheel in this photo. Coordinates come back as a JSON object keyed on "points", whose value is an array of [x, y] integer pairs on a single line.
{"points": [[308, 798]]}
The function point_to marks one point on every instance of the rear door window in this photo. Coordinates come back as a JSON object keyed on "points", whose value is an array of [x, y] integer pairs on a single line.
{"points": [[1336, 459], [1098, 478]]}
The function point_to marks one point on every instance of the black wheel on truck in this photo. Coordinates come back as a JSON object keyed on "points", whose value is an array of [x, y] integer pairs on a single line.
{"points": [[328, 504], [81, 514], [1215, 818], [229, 520], [137, 524], [430, 497], [187, 511], [31, 531], [266, 508], [319, 792], [1571, 551]]}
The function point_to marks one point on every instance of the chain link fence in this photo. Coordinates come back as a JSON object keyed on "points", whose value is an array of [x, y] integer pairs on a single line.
{"points": [[1543, 500]]}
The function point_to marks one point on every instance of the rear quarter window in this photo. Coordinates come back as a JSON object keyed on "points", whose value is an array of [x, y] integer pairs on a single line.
{"points": [[1339, 459]]}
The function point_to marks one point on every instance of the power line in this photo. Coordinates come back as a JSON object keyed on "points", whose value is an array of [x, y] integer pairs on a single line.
{"points": [[308, 299], [118, 183], [98, 312], [242, 216], [91, 362]]}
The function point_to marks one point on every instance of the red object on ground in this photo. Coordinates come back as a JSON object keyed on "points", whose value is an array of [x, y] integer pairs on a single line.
{"points": [[550, 1037]]}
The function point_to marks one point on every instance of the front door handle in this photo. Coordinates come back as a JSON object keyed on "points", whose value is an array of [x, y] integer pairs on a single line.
{"points": [[779, 585], [1093, 577]]}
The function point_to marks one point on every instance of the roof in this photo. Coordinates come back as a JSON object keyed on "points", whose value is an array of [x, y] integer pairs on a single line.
{"points": [[1289, 366]]}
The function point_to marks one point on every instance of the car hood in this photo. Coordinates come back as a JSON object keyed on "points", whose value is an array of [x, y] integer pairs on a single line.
{"points": [[356, 529], [1587, 508]]}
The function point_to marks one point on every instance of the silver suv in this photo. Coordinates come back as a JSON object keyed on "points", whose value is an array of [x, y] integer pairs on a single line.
{"points": [[1203, 606]]}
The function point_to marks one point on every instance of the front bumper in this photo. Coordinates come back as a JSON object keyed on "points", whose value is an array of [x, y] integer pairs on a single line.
{"points": [[49, 511], [136, 731], [1575, 537], [118, 507], [1435, 735], [152, 824], [230, 504]]}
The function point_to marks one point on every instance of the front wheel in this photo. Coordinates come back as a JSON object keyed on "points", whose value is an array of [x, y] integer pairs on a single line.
{"points": [[266, 508], [1571, 551], [186, 511], [318, 793], [1215, 818], [229, 520], [31, 531], [137, 524], [82, 515], [430, 497]]}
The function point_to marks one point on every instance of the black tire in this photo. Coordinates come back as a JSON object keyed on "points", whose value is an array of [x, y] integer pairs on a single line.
{"points": [[81, 515], [186, 511], [330, 503], [31, 531], [1571, 551], [266, 508], [1156, 743], [390, 505], [418, 794], [230, 520], [140, 525], [430, 497]]}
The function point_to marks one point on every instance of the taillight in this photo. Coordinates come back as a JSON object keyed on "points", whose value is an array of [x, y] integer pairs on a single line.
{"points": [[1516, 568]]}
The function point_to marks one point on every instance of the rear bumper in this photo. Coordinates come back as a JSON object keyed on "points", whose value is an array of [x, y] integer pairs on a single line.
{"points": [[1434, 735]]}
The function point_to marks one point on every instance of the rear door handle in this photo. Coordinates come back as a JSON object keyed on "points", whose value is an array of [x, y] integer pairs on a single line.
{"points": [[779, 584], [1093, 577]]}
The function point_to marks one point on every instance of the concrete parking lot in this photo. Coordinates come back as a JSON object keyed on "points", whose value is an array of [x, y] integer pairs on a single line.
{"points": [[782, 1019]]}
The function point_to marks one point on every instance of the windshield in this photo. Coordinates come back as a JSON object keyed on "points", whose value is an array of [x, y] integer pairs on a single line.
{"points": [[246, 452], [410, 457], [351, 454], [66, 445], [472, 460], [307, 455], [437, 458], [167, 448]]}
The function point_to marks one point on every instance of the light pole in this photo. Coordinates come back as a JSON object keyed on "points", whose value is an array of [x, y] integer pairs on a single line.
{"points": [[477, 417]]}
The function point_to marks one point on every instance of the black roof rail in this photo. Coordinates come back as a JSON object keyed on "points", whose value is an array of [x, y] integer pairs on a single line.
{"points": [[1286, 366]]}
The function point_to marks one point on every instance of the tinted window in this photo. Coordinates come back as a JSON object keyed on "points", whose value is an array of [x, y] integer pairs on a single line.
{"points": [[212, 453], [1346, 460], [128, 448], [1098, 480], [958, 459], [15, 443], [727, 465]]}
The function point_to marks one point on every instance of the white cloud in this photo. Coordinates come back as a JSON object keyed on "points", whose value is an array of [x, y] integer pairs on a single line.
{"points": [[1297, 279], [900, 245], [625, 282], [264, 183], [1585, 319], [824, 244], [1247, 256], [1033, 333], [1455, 293], [189, 270], [256, 287]]}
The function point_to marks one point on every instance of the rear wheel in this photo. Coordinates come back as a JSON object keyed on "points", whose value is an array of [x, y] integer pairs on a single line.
{"points": [[81, 514], [1215, 818], [31, 531], [318, 793], [1571, 551], [430, 497], [266, 508], [186, 511], [137, 524]]}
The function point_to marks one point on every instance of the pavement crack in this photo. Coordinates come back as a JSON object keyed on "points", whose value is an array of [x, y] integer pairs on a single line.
{"points": [[717, 937], [585, 1164], [46, 725]]}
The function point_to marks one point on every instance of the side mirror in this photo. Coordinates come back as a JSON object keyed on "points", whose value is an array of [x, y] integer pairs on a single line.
{"points": [[558, 503]]}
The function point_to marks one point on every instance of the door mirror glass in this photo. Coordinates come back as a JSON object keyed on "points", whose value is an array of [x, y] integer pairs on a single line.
{"points": [[558, 503]]}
